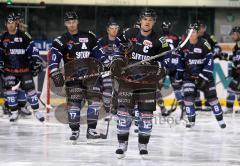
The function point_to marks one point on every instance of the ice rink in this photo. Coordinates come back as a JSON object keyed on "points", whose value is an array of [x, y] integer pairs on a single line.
{"points": [[28, 142]]}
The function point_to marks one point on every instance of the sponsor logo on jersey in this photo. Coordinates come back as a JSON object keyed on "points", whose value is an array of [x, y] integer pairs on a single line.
{"points": [[83, 40], [196, 61], [18, 39], [82, 54], [147, 43], [17, 51], [138, 56], [197, 50]]}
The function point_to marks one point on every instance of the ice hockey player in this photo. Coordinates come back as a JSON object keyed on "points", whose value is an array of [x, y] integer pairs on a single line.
{"points": [[75, 45], [217, 53], [108, 46], [19, 58], [172, 61], [197, 72], [24, 111], [22, 97], [145, 43], [234, 86]]}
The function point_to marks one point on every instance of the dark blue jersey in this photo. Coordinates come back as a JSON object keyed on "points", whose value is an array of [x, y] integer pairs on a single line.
{"points": [[144, 47], [107, 49], [72, 47], [236, 56], [17, 52], [196, 59]]}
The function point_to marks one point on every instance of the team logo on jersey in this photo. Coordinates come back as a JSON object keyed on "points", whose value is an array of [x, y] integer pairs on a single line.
{"points": [[5, 44], [197, 50], [18, 39], [70, 46], [133, 39], [83, 40], [238, 44], [147, 43]]}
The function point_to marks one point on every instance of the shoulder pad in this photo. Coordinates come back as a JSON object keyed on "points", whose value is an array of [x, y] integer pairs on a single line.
{"points": [[127, 29], [163, 42], [213, 38], [28, 35], [92, 33], [59, 40], [207, 45]]}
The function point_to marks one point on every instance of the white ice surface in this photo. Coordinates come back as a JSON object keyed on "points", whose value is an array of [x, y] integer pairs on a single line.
{"points": [[28, 142]]}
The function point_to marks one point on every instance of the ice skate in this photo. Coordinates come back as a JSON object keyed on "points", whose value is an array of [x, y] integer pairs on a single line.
{"points": [[122, 148]]}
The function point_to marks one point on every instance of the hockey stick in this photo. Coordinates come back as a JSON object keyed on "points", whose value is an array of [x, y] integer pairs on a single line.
{"points": [[173, 106], [104, 136], [108, 73], [16, 87], [162, 54], [103, 74]]}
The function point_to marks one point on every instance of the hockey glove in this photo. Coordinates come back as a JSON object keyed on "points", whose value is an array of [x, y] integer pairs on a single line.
{"points": [[37, 66], [116, 66], [57, 78]]}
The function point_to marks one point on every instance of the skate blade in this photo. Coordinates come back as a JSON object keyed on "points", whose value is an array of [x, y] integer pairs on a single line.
{"points": [[74, 142], [5, 116], [121, 156], [71, 142], [144, 156], [93, 141], [26, 116]]}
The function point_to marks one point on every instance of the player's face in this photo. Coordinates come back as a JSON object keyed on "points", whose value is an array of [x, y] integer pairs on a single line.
{"points": [[112, 30], [11, 26], [235, 36], [72, 25], [202, 30], [147, 23], [194, 37]]}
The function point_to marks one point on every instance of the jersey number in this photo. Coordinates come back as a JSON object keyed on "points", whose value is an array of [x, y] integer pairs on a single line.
{"points": [[145, 49]]}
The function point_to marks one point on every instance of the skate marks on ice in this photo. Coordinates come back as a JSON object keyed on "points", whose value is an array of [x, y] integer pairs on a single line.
{"points": [[29, 143]]}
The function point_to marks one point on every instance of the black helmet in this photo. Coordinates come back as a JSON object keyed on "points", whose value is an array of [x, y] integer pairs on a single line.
{"points": [[70, 15], [148, 13], [194, 26], [201, 23], [235, 29], [10, 18], [112, 22], [166, 26], [19, 16]]}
